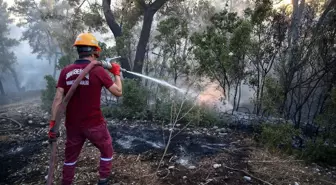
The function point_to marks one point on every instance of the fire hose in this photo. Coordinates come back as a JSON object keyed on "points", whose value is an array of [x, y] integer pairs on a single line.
{"points": [[59, 112], [61, 109]]}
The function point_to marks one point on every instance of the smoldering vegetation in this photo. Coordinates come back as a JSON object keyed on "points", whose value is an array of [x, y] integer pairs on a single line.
{"points": [[259, 75]]}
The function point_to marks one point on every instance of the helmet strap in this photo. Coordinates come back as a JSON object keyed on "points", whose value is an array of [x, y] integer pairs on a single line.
{"points": [[87, 51], [96, 54]]}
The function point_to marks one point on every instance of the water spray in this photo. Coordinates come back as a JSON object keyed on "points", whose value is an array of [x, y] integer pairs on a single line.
{"points": [[107, 65]]}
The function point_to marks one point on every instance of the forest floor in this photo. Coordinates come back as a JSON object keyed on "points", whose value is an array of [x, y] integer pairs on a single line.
{"points": [[196, 155]]}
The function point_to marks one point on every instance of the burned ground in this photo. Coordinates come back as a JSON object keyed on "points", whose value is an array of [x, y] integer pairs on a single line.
{"points": [[195, 156]]}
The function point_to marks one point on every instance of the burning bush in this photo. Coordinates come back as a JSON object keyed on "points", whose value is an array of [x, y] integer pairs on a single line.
{"points": [[135, 105]]}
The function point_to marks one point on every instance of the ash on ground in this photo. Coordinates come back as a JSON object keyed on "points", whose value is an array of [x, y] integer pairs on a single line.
{"points": [[195, 155]]}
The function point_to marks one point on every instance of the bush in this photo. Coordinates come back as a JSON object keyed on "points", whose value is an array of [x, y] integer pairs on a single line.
{"points": [[134, 105], [203, 116], [322, 147], [134, 96], [162, 110], [320, 151], [195, 115], [47, 96], [278, 136], [133, 102]]}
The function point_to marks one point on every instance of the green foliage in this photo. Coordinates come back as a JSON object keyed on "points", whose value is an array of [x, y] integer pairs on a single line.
{"points": [[107, 52], [221, 49], [48, 94], [51, 30], [134, 96], [125, 42], [8, 58], [64, 61], [202, 116], [322, 148], [173, 39], [278, 136], [240, 42], [327, 119], [319, 151], [38, 34], [94, 18], [162, 110], [185, 112], [271, 100], [262, 10], [133, 104]]}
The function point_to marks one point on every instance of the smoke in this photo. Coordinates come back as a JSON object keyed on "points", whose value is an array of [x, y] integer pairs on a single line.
{"points": [[31, 71], [212, 96]]}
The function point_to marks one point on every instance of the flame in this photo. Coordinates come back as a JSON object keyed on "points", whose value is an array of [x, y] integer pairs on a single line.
{"points": [[211, 94], [214, 98]]}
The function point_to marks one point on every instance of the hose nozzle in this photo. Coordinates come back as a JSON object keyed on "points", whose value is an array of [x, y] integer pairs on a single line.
{"points": [[114, 58], [107, 63]]}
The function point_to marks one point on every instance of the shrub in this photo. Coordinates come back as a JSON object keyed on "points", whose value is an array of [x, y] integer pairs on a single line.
{"points": [[134, 96], [278, 136], [320, 151], [195, 115], [162, 110], [134, 106], [203, 116], [322, 147], [48, 94], [133, 102]]}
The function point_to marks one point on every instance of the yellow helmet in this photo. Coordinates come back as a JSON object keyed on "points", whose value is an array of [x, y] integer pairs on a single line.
{"points": [[87, 39]]}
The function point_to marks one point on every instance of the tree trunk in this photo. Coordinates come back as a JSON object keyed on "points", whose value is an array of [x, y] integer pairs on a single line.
{"points": [[256, 104], [147, 70], [55, 66], [16, 80], [260, 102], [143, 41], [235, 107], [117, 32], [239, 97], [2, 91], [149, 11]]}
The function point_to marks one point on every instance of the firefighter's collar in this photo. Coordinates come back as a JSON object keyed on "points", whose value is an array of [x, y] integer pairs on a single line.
{"points": [[82, 61]]}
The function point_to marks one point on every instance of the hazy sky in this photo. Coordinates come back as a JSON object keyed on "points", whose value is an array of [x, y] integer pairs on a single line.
{"points": [[31, 70]]}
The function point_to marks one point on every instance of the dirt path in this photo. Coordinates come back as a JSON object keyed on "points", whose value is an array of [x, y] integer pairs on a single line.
{"points": [[196, 156]]}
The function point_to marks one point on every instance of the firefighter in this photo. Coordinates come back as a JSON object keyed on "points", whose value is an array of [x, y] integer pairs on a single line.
{"points": [[83, 116]]}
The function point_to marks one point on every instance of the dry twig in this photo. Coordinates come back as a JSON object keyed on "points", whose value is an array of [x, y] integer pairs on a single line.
{"points": [[248, 174], [287, 161], [175, 120]]}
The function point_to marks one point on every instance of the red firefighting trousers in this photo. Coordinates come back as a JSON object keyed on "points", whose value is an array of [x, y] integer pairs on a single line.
{"points": [[100, 137]]}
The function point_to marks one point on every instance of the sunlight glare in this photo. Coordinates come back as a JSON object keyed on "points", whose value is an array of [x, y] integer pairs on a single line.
{"points": [[282, 3]]}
